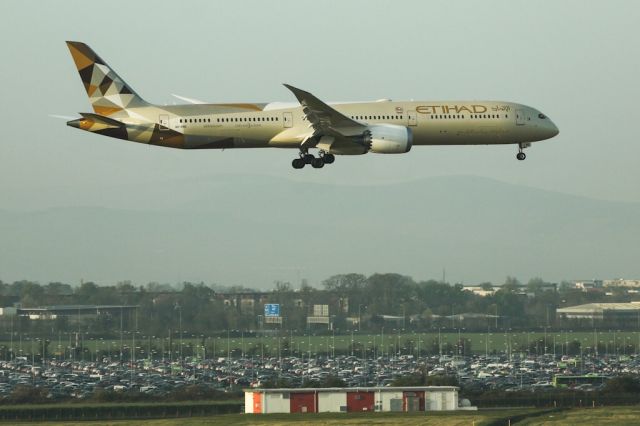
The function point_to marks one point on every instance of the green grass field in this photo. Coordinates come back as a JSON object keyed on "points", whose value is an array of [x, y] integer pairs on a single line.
{"points": [[376, 344], [570, 417], [588, 417], [334, 419]]}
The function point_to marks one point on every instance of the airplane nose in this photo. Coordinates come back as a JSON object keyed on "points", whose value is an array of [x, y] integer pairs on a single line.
{"points": [[548, 129]]}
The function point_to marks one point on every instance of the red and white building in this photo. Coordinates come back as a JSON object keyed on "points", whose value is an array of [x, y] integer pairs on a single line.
{"points": [[336, 400]]}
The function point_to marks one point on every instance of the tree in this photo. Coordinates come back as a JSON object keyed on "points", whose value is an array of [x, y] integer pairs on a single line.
{"points": [[22, 394], [486, 286], [345, 283], [32, 294], [410, 379], [511, 284], [622, 384], [58, 289], [441, 381]]}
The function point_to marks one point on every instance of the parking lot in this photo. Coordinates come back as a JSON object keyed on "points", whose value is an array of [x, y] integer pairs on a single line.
{"points": [[81, 379]]}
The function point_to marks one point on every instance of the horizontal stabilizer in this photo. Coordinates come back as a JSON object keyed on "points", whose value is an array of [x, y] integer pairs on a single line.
{"points": [[97, 118], [89, 119]]}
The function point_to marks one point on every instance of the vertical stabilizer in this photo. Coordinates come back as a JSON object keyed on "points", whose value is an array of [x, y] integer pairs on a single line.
{"points": [[108, 93]]}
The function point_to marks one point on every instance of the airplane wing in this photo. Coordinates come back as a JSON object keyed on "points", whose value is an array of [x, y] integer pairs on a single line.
{"points": [[324, 119]]}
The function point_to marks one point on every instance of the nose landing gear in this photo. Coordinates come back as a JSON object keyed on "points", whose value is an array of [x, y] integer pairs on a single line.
{"points": [[521, 155]]}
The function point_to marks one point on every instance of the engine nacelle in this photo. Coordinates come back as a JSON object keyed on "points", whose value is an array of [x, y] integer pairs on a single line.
{"points": [[389, 139]]}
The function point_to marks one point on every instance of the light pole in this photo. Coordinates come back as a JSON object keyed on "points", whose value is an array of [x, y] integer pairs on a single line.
{"points": [[359, 317], [121, 331]]}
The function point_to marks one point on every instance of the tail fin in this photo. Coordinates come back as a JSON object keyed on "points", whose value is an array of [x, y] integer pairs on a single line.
{"points": [[107, 92]]}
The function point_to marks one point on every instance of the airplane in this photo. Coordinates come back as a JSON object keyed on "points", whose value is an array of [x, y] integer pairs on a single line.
{"points": [[347, 128]]}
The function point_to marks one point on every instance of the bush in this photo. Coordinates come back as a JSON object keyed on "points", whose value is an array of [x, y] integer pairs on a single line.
{"points": [[28, 395], [622, 384]]}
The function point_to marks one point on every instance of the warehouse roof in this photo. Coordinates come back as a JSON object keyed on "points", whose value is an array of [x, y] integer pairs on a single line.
{"points": [[600, 307], [360, 389], [76, 307]]}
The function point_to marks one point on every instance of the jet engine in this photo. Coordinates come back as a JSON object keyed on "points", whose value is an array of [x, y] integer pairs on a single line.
{"points": [[388, 139]]}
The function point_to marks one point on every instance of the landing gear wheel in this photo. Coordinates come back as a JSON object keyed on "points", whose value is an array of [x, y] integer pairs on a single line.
{"points": [[308, 158], [521, 156], [298, 163], [328, 158], [317, 163]]}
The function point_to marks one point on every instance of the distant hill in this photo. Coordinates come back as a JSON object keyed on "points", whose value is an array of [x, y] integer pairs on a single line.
{"points": [[253, 230]]}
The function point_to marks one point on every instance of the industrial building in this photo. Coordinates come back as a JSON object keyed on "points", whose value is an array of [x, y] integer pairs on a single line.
{"points": [[70, 311], [345, 400], [601, 311]]}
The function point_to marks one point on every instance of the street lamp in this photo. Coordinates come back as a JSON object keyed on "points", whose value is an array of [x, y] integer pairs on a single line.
{"points": [[360, 317]]}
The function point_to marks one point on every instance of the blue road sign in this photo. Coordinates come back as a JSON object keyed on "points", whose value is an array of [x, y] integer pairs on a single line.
{"points": [[272, 310]]}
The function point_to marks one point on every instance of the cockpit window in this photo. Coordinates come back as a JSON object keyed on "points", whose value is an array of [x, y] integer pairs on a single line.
{"points": [[542, 116]]}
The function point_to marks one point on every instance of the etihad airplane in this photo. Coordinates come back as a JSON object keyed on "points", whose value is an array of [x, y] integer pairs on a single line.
{"points": [[348, 128]]}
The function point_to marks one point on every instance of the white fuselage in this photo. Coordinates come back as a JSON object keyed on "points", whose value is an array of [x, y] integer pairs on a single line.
{"points": [[431, 122]]}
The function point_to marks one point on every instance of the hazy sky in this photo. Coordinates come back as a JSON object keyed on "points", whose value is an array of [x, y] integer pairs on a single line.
{"points": [[576, 61]]}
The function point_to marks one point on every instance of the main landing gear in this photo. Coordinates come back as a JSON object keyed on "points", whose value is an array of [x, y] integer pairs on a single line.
{"points": [[316, 162], [521, 155]]}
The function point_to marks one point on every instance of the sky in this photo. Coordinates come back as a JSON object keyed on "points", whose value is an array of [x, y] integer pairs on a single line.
{"points": [[577, 62]]}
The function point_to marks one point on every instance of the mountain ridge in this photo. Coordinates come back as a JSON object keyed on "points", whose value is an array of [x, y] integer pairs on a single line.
{"points": [[247, 232]]}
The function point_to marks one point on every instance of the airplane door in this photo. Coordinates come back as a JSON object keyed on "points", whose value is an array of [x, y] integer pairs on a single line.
{"points": [[164, 122], [520, 117], [413, 118], [287, 119]]}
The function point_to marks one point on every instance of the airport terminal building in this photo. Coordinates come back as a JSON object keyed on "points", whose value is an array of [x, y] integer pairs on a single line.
{"points": [[348, 400]]}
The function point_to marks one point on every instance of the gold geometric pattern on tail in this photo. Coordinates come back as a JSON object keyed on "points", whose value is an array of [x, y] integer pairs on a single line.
{"points": [[107, 92]]}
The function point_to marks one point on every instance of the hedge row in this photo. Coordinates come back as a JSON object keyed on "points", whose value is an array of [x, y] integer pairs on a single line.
{"points": [[117, 412]]}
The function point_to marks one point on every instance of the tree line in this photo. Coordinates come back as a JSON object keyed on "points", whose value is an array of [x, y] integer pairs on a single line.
{"points": [[356, 303]]}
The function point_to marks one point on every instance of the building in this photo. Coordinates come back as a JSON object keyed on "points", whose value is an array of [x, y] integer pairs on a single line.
{"points": [[71, 311], [481, 291], [588, 285], [601, 311], [8, 311], [320, 316], [619, 282], [347, 400]]}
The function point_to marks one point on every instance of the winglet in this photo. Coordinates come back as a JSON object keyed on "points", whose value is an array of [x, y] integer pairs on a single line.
{"points": [[298, 93], [188, 100]]}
